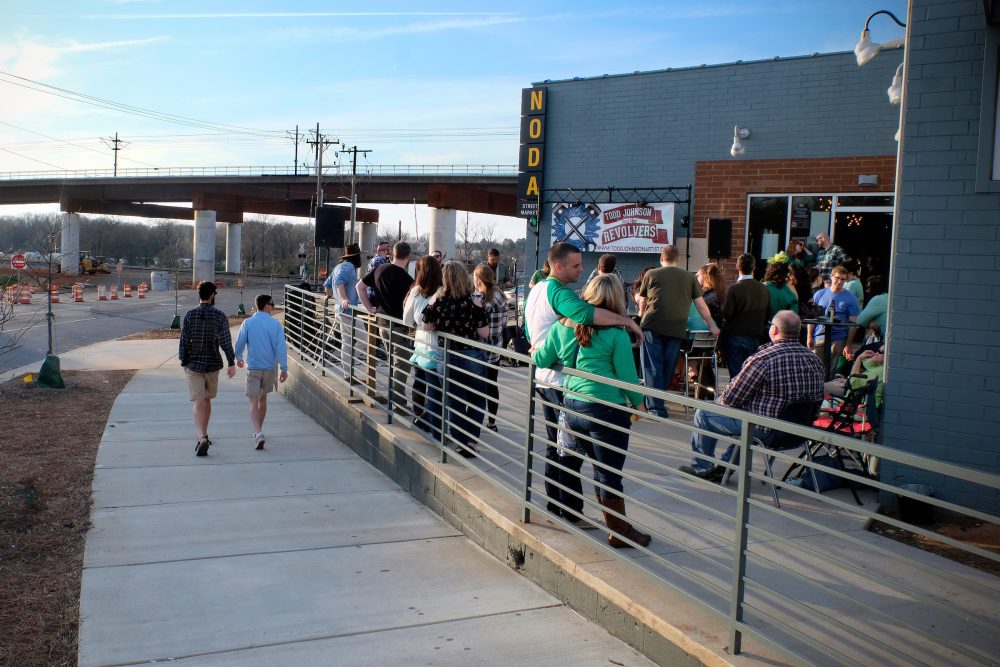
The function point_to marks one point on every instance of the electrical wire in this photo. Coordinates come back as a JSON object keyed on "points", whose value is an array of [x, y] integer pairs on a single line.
{"points": [[94, 150], [7, 150], [83, 98]]}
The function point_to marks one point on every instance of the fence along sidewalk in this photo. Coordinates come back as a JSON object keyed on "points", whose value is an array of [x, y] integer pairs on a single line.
{"points": [[806, 579]]}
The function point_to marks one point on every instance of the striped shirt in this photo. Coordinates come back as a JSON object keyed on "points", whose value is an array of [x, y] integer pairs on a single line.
{"points": [[780, 373], [205, 330]]}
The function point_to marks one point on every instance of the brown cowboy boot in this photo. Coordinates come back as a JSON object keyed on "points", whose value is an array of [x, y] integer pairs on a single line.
{"points": [[621, 526]]}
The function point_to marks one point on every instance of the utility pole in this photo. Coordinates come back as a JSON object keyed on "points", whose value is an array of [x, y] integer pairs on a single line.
{"points": [[296, 150], [354, 187], [321, 143], [115, 145]]}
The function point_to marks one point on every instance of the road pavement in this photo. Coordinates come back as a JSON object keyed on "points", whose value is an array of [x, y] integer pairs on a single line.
{"points": [[79, 324]]}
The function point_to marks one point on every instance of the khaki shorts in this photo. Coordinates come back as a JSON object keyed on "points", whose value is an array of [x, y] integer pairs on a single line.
{"points": [[261, 382], [202, 385]]}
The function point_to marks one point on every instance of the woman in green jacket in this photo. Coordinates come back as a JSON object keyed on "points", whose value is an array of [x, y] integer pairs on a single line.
{"points": [[604, 425]]}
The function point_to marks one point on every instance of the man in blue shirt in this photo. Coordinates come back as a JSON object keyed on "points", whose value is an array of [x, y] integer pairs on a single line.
{"points": [[264, 339], [845, 309], [341, 286]]}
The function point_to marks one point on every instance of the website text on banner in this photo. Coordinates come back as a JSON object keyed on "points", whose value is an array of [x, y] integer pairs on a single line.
{"points": [[614, 227]]}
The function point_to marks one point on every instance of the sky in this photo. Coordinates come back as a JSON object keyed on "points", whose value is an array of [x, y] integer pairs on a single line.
{"points": [[224, 83]]}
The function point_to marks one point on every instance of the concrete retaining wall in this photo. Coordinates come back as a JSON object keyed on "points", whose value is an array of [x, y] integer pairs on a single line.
{"points": [[491, 518]]}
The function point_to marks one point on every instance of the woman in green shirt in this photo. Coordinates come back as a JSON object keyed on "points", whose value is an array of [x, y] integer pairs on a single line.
{"points": [[604, 425], [783, 297]]}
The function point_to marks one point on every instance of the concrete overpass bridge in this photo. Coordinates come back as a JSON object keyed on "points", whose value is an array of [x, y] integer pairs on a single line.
{"points": [[210, 195]]}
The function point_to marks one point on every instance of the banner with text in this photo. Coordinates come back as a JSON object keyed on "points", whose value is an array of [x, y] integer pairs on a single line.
{"points": [[614, 227]]}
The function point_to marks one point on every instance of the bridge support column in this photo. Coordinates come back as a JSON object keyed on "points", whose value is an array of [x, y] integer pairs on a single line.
{"points": [[442, 233], [203, 266], [69, 263], [367, 236], [234, 236]]}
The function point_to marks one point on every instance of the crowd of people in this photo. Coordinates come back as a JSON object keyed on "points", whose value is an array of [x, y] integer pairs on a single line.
{"points": [[772, 358]]}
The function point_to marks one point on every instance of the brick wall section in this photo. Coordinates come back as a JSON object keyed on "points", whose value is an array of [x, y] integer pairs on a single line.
{"points": [[650, 128], [943, 390], [721, 187]]}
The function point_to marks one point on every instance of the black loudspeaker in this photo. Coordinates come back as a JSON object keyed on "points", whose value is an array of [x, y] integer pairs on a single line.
{"points": [[720, 238], [330, 226]]}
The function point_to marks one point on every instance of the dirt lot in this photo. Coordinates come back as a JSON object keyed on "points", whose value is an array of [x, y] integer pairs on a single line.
{"points": [[45, 478]]}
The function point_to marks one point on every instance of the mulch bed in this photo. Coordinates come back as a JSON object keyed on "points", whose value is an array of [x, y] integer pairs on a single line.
{"points": [[48, 456]]}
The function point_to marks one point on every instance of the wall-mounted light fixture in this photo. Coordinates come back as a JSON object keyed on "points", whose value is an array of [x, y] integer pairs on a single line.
{"points": [[739, 133], [896, 89], [866, 49]]}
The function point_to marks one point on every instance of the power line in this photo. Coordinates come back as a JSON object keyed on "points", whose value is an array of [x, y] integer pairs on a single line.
{"points": [[65, 93], [68, 143], [7, 150]]}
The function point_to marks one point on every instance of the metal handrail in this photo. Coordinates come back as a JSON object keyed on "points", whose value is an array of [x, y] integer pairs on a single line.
{"points": [[275, 170], [735, 582]]}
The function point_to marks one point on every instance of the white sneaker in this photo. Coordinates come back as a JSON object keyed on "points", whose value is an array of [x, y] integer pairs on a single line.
{"points": [[260, 440]]}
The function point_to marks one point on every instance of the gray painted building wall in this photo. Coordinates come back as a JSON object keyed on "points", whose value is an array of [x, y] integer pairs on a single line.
{"points": [[649, 129], [943, 369]]}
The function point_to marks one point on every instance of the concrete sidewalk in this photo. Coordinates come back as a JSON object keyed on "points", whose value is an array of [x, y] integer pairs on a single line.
{"points": [[299, 554]]}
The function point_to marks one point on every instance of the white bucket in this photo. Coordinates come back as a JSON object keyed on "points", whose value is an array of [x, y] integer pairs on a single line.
{"points": [[159, 281]]}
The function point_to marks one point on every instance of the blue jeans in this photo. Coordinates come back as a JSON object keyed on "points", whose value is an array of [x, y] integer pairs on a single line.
{"points": [[466, 393], [605, 445], [432, 400], [571, 498], [659, 359], [705, 444], [738, 348]]}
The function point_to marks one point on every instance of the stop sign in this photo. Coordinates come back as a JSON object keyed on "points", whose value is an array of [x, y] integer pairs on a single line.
{"points": [[322, 273], [18, 262]]}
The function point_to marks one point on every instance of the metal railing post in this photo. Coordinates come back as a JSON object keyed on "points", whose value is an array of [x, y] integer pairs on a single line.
{"points": [[324, 338], [529, 444], [390, 393], [354, 353], [443, 435], [745, 451]]}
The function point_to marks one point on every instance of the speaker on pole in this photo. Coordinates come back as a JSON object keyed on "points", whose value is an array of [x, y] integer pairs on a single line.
{"points": [[720, 238], [330, 226]]}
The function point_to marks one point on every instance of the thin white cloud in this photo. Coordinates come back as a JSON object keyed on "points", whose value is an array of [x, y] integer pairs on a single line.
{"points": [[368, 33], [272, 15], [84, 47]]}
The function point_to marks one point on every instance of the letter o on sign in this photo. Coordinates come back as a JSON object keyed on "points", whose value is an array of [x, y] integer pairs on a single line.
{"points": [[18, 262]]}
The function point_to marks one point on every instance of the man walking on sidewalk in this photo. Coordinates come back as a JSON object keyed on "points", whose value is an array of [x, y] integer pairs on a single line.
{"points": [[264, 339], [205, 330]]}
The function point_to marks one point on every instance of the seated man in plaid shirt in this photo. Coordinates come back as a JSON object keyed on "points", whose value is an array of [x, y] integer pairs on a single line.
{"points": [[783, 371], [205, 330]]}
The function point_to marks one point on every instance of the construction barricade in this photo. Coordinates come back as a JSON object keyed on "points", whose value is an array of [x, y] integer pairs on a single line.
{"points": [[114, 292], [142, 291], [126, 291], [78, 293], [102, 293]]}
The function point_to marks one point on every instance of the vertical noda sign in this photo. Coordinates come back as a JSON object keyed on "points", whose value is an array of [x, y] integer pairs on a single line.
{"points": [[534, 102]]}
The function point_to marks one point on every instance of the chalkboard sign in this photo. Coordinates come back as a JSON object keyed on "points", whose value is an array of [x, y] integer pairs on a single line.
{"points": [[801, 214]]}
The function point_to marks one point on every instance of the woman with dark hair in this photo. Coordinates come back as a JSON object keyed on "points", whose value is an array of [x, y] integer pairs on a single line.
{"points": [[798, 253], [606, 352], [453, 311], [783, 297], [426, 405], [539, 275], [494, 303]]}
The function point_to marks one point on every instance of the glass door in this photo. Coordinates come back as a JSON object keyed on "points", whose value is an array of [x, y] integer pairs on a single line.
{"points": [[767, 222]]}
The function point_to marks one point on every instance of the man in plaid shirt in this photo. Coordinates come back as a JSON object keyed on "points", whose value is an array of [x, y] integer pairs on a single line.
{"points": [[829, 255], [782, 372], [205, 330]]}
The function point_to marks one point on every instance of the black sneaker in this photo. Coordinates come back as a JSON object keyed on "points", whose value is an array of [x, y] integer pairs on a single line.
{"points": [[201, 447], [712, 474]]}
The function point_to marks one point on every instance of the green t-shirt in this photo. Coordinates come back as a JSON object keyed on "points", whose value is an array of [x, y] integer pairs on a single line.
{"points": [[855, 288], [782, 298], [608, 355], [669, 291], [538, 276]]}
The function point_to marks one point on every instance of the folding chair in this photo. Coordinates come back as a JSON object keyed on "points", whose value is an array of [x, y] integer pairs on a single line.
{"points": [[701, 348], [800, 412]]}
